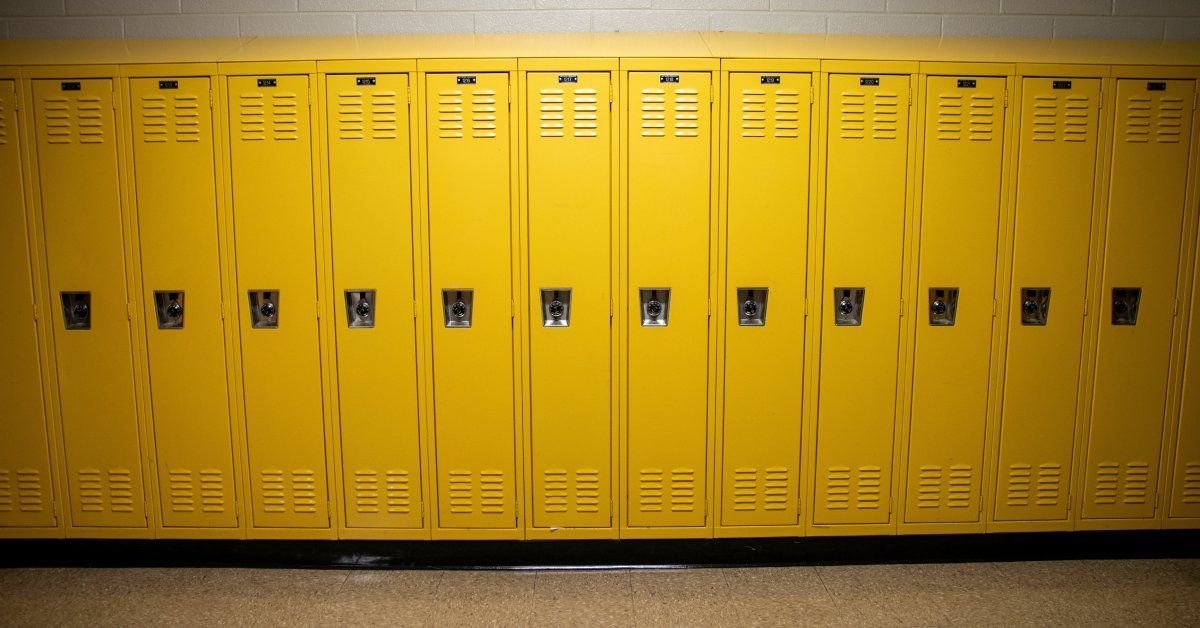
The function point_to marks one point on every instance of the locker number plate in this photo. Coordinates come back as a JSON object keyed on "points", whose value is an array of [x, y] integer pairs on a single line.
{"points": [[464, 80], [869, 81], [668, 78], [364, 81], [168, 84]]}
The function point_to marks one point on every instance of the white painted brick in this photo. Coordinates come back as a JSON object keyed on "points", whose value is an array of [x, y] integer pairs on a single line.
{"points": [[1109, 28], [649, 21], [148, 26], [768, 22], [17, 8], [1157, 8], [121, 7], [714, 5], [66, 28], [997, 26], [1058, 7], [1183, 28], [412, 23], [592, 4], [357, 5], [473, 5], [977, 7], [533, 22], [847, 6], [891, 24], [298, 24], [239, 6]]}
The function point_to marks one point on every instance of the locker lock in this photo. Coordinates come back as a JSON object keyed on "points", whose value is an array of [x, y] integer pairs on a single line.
{"points": [[456, 306], [267, 309], [168, 308], [1035, 306], [656, 306], [752, 307], [848, 306], [264, 309], [1125, 302], [653, 308], [360, 308], [556, 307], [943, 306], [77, 310], [174, 310]]}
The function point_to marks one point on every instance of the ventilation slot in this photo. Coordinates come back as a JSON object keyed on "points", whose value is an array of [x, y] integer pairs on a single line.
{"points": [[684, 110], [768, 493], [204, 491], [949, 120], [585, 116], [253, 117], [100, 491], [165, 119], [285, 117], [3, 122], [936, 489], [981, 118], [885, 116], [294, 492], [483, 116], [776, 113], [58, 120], [552, 108], [490, 492], [450, 113], [845, 487], [91, 123], [350, 116], [1130, 487], [1065, 120], [560, 496], [394, 498], [654, 117], [1168, 124], [853, 115], [650, 490], [1075, 119], [1191, 483], [6, 491]]}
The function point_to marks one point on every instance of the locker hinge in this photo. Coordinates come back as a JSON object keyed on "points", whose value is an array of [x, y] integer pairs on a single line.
{"points": [[910, 97], [408, 93], [37, 312], [610, 97], [211, 100], [414, 308], [610, 309], [1101, 106], [1006, 99], [129, 310], [1195, 100], [806, 307], [1156, 502], [421, 509], [1069, 501], [710, 308], [329, 512], [710, 92], [812, 98], [901, 307], [221, 308], [995, 306], [1085, 312], [318, 310], [114, 100], [1175, 309], [512, 309]]}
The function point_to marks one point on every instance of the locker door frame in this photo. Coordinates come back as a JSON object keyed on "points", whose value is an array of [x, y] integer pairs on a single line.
{"points": [[1179, 327], [507, 65], [188, 70], [818, 290], [1007, 71], [42, 275], [234, 312], [397, 66], [659, 64], [568, 64], [1004, 305], [812, 67], [22, 103]]}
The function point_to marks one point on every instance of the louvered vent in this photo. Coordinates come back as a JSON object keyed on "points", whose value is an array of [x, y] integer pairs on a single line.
{"points": [[4, 108], [577, 492], [485, 492], [284, 492], [755, 491], [939, 487], [971, 117], [673, 112], [275, 116], [363, 116], [859, 488], [170, 118], [1157, 118], [101, 491], [562, 112], [1191, 483], [770, 113], [70, 119], [1124, 484], [660, 491], [21, 491], [389, 492], [1025, 489], [1058, 118], [203, 491]]}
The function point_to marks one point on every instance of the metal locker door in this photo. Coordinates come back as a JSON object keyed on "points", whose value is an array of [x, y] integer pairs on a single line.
{"points": [[26, 490], [960, 211], [864, 238], [1055, 173], [670, 134], [769, 128], [276, 280], [370, 195], [176, 189], [471, 298], [1146, 203], [1184, 500], [570, 221], [81, 216]]}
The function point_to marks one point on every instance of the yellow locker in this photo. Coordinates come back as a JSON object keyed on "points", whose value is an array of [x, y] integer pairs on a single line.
{"points": [[471, 299], [1184, 500], [569, 135], [866, 179], [276, 284], [960, 211], [670, 135], [370, 195], [26, 489], [1146, 203], [1055, 174], [769, 128], [175, 181], [81, 216]]}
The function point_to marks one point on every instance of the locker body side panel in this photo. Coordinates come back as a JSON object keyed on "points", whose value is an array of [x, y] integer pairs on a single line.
{"points": [[26, 487], [370, 196], [270, 154], [569, 135], [767, 236], [470, 217], [864, 235], [1183, 506], [670, 169], [1147, 198], [175, 191], [1055, 174], [82, 221], [960, 213]]}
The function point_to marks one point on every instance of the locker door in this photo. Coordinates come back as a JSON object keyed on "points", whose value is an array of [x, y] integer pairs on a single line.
{"points": [[670, 139], [765, 288], [181, 276], [81, 214], [864, 238], [1147, 198], [1185, 483], [371, 204], [471, 299], [276, 280], [570, 214], [25, 483], [1057, 160], [960, 210]]}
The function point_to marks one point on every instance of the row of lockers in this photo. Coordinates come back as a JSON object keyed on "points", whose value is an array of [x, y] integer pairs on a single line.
{"points": [[504, 304]]}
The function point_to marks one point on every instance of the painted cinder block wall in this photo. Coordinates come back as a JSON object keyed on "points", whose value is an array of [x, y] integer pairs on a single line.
{"points": [[1124, 19]]}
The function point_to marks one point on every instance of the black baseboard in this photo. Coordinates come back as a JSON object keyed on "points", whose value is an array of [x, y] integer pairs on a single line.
{"points": [[601, 554]]}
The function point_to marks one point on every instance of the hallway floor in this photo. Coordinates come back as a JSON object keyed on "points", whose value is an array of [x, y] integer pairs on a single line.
{"points": [[1108, 592]]}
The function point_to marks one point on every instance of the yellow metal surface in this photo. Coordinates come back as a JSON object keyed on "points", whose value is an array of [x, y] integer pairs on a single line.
{"points": [[670, 133], [176, 199], [1057, 162], [767, 216], [270, 134], [26, 482], [470, 218], [76, 142], [1146, 203], [1183, 502], [569, 133], [960, 213], [866, 183], [370, 198]]}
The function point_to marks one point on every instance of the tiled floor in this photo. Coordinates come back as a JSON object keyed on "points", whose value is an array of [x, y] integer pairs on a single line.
{"points": [[1114, 592]]}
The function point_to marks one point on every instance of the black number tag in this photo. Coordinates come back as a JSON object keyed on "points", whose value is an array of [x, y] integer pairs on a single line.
{"points": [[1156, 87], [1061, 85], [568, 78], [364, 80], [966, 82], [71, 86], [769, 79], [668, 78], [869, 81], [465, 80], [266, 82], [168, 84]]}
